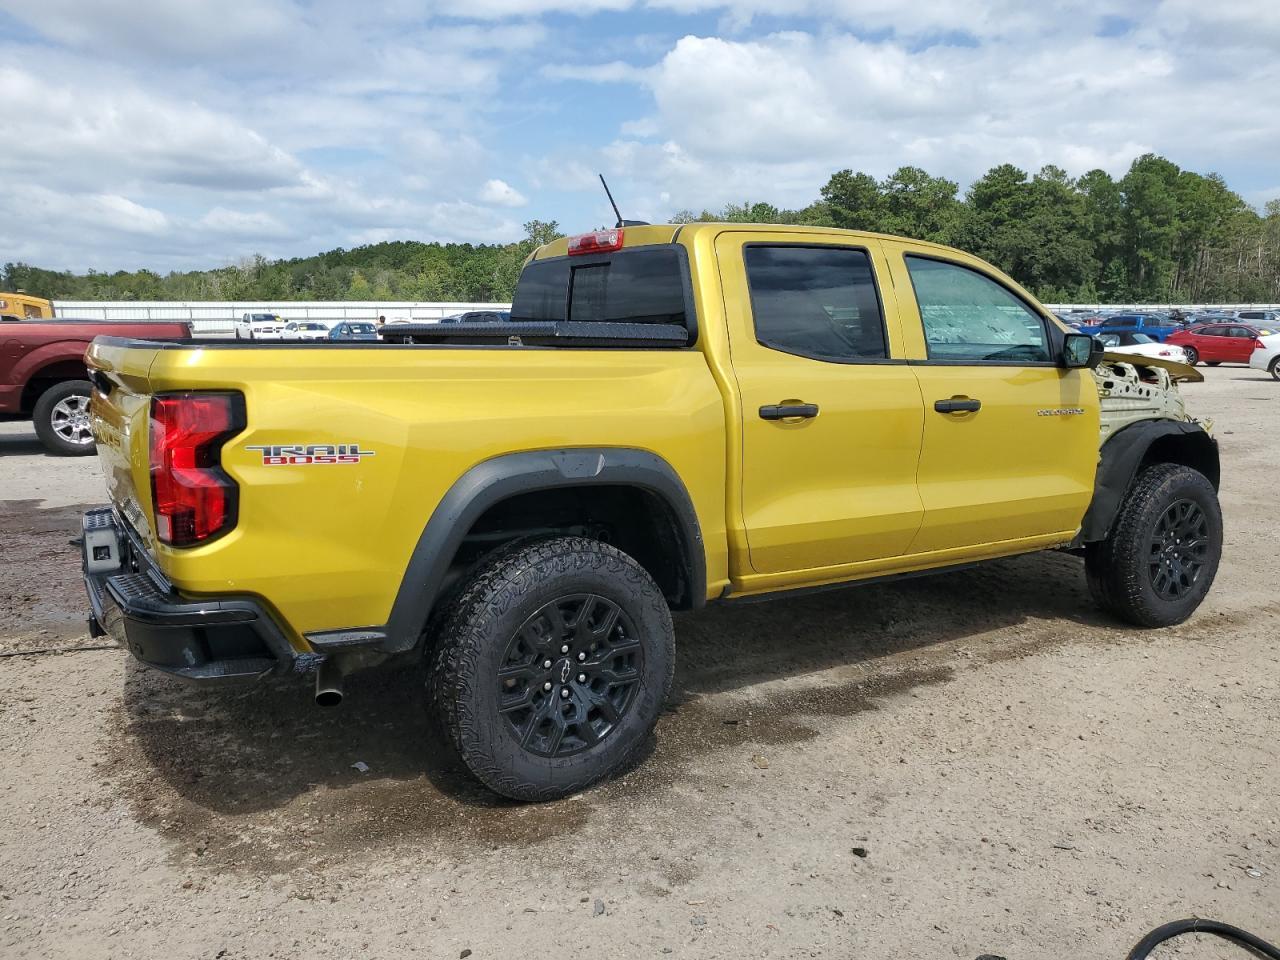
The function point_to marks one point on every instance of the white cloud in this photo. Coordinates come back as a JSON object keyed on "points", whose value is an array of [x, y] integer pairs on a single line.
{"points": [[176, 134], [502, 194], [241, 223], [772, 117], [71, 131], [615, 71], [162, 28]]}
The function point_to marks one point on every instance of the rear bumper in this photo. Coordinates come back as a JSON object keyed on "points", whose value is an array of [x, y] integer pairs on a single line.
{"points": [[209, 639]]}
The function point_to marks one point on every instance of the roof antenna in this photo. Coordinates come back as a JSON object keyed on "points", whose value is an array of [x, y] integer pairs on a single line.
{"points": [[609, 194]]}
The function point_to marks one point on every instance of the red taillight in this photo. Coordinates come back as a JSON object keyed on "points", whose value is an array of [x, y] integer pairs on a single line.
{"points": [[192, 498], [1258, 344], [599, 241]]}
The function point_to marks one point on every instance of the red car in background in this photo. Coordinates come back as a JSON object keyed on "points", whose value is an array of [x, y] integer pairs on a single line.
{"points": [[1216, 343]]}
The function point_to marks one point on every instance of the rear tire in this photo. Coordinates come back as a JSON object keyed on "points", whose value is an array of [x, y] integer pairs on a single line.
{"points": [[1160, 559], [1275, 368], [535, 732], [1193, 355], [61, 419]]}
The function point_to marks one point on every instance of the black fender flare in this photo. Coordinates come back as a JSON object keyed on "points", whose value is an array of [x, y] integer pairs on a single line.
{"points": [[497, 479], [1124, 453]]}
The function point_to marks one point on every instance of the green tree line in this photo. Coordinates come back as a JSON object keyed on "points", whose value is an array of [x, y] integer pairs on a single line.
{"points": [[1157, 234]]}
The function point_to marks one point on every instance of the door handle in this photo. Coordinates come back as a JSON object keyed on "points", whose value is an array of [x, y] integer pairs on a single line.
{"points": [[787, 411], [957, 406]]}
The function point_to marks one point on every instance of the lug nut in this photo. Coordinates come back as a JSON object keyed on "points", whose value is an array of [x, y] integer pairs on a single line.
{"points": [[547, 686], [581, 657], [546, 664], [565, 648], [582, 678], [564, 693]]}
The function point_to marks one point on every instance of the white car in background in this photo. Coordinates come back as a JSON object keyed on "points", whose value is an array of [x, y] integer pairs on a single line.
{"points": [[1266, 355], [1140, 344], [305, 330], [259, 326]]}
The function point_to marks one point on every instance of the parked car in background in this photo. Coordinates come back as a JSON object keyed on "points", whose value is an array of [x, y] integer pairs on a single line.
{"points": [[1266, 355], [1141, 345], [259, 326], [479, 316], [1216, 343], [1267, 320], [43, 377], [1157, 326], [354, 330], [305, 330]]}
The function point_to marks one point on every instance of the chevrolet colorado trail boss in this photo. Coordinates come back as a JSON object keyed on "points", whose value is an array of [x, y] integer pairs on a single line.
{"points": [[43, 376], [672, 415]]}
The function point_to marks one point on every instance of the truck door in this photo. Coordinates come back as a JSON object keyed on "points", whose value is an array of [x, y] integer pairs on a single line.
{"points": [[1010, 438], [831, 412]]}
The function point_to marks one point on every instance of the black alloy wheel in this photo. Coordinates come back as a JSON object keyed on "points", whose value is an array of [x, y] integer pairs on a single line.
{"points": [[1179, 549], [569, 675]]}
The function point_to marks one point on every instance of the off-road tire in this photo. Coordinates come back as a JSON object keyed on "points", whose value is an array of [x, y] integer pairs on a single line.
{"points": [[500, 596], [47, 416], [1119, 569], [1275, 368], [1193, 355]]}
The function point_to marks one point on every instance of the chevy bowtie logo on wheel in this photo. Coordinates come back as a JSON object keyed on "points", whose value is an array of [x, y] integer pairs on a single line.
{"points": [[312, 454]]}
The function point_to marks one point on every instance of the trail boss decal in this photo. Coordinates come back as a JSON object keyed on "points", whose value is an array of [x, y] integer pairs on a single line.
{"points": [[311, 454]]}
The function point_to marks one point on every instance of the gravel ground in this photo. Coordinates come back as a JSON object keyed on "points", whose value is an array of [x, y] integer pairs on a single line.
{"points": [[954, 766]]}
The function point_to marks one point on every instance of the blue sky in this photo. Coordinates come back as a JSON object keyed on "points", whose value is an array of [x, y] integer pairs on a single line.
{"points": [[176, 134]]}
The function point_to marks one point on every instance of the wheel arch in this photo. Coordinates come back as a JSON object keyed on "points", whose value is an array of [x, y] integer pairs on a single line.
{"points": [[45, 373], [1136, 447], [504, 480]]}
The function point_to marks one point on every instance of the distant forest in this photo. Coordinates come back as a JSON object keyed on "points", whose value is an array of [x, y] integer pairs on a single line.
{"points": [[1157, 234]]}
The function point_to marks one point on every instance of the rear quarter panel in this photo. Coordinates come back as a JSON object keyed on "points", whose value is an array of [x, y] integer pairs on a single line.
{"points": [[327, 545]]}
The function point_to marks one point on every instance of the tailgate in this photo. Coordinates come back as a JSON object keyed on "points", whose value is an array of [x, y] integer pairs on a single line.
{"points": [[120, 407]]}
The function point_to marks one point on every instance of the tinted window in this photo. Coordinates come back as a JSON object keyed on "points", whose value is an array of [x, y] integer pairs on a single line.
{"points": [[643, 285], [968, 316], [1250, 315], [817, 302]]}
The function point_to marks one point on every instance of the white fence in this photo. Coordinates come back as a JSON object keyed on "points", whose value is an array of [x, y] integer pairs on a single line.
{"points": [[1162, 307], [215, 317]]}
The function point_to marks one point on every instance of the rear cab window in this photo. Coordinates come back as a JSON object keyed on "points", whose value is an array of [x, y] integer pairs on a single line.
{"points": [[646, 284]]}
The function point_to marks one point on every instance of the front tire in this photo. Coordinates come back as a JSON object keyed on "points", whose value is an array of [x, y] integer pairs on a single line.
{"points": [[1160, 559], [61, 419], [1193, 355], [552, 665]]}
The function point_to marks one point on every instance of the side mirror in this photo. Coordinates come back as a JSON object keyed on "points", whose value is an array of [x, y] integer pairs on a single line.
{"points": [[1080, 350]]}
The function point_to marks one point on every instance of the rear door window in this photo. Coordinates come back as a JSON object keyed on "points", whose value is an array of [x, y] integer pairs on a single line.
{"points": [[817, 302], [970, 318]]}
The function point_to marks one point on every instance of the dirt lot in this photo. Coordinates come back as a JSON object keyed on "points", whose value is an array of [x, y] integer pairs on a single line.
{"points": [[964, 765]]}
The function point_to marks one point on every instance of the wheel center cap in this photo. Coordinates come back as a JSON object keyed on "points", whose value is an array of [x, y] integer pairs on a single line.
{"points": [[564, 668]]}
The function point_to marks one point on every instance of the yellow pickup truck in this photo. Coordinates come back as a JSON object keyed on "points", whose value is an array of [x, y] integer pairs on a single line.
{"points": [[672, 415]]}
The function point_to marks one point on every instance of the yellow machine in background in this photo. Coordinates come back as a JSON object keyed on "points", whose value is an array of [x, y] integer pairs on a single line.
{"points": [[21, 306]]}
